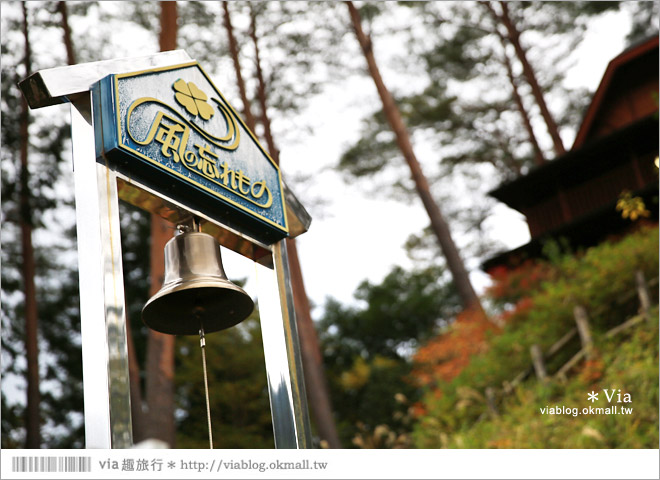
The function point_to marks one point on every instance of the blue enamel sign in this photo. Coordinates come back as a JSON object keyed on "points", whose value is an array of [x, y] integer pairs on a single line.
{"points": [[172, 130]]}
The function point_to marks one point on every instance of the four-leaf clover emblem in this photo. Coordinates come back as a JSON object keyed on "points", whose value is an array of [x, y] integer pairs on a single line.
{"points": [[193, 99]]}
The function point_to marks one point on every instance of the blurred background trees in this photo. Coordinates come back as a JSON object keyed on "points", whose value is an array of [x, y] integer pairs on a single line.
{"points": [[480, 90]]}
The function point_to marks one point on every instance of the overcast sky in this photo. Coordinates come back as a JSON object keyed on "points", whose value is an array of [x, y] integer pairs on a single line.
{"points": [[359, 236], [356, 235]]}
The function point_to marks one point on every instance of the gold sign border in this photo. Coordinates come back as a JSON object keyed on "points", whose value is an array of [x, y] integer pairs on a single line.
{"points": [[284, 229]]}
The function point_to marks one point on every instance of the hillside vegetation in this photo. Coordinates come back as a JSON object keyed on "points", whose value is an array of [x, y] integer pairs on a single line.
{"points": [[472, 400]]}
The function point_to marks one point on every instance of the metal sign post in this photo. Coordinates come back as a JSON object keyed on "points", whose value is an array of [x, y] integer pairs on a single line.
{"points": [[250, 211], [102, 309]]}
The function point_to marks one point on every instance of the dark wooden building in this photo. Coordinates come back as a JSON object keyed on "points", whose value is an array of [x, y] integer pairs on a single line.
{"points": [[616, 148]]}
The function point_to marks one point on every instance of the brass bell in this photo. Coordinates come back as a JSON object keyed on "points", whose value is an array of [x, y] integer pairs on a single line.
{"points": [[195, 293]]}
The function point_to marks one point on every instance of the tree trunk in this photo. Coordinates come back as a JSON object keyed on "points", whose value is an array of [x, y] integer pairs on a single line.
{"points": [[315, 382], [261, 91], [66, 30], [137, 412], [233, 50], [32, 413], [168, 26], [514, 37], [438, 224], [538, 154], [160, 347]]}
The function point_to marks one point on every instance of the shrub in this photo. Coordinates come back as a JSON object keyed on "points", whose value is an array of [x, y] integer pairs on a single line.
{"points": [[539, 298]]}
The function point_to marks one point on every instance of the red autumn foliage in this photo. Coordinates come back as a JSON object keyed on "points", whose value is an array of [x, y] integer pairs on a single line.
{"points": [[513, 283], [592, 371], [521, 308], [445, 356], [418, 409]]}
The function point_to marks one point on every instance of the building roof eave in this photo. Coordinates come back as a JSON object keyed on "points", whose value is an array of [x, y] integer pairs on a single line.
{"points": [[615, 64], [569, 168]]}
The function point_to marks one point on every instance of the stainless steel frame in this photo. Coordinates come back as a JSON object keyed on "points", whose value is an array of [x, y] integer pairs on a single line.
{"points": [[288, 401], [102, 310], [102, 305]]}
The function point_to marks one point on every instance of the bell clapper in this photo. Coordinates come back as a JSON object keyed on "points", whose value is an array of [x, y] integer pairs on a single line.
{"points": [[191, 224], [202, 344], [196, 224]]}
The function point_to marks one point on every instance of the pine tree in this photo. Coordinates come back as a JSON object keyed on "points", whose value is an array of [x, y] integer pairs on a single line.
{"points": [[233, 49], [367, 346], [474, 108], [32, 415], [59, 408], [238, 393], [438, 223], [645, 20], [159, 368], [315, 381]]}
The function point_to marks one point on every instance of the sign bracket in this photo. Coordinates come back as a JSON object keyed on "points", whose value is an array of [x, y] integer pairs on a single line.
{"points": [[98, 189]]}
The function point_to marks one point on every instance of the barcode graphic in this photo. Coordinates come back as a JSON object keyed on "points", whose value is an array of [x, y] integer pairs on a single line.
{"points": [[51, 464]]}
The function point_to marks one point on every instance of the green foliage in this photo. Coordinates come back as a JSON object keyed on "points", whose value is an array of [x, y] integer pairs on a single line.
{"points": [[602, 280], [465, 103], [365, 396], [630, 365], [10, 421], [540, 298], [369, 11], [371, 153], [366, 348], [296, 61], [559, 17], [645, 20], [240, 408], [405, 308]]}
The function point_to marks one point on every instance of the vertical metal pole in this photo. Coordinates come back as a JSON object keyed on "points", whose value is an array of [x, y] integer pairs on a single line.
{"points": [[294, 357], [286, 386], [102, 310]]}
